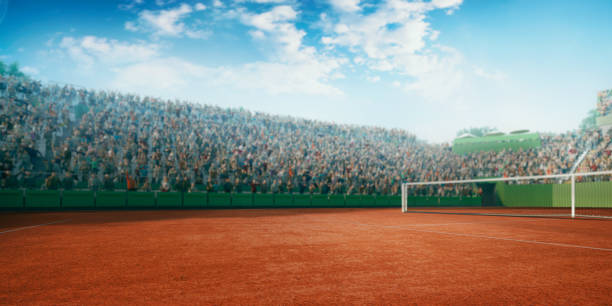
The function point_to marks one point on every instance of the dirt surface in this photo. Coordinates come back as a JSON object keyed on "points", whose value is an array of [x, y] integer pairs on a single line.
{"points": [[301, 256]]}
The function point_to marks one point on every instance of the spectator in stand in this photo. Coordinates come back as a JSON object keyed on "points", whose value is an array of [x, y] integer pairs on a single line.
{"points": [[93, 183], [68, 181], [254, 186], [109, 184], [52, 182], [10, 181], [28, 181], [165, 185]]}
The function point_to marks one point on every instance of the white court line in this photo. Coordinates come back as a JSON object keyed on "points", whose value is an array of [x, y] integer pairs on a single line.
{"points": [[442, 224], [32, 226], [486, 237], [516, 240]]}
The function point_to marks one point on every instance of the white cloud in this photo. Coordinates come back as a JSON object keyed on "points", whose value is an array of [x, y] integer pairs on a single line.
{"points": [[434, 35], [173, 76], [373, 79], [164, 2], [257, 34], [141, 67], [160, 76], [271, 20], [495, 75], [91, 49], [217, 3], [293, 66], [130, 4], [346, 5], [30, 70], [446, 3], [168, 22], [395, 38], [268, 1]]}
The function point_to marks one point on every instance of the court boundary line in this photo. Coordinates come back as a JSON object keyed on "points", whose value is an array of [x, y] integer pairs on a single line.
{"points": [[33, 226], [559, 244]]}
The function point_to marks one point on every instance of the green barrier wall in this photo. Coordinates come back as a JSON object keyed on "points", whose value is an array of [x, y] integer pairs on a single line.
{"points": [[140, 199], [535, 195], [283, 200], [194, 200], [389, 201], [219, 200], [169, 199], [242, 200], [336, 200], [43, 199], [78, 199], [353, 201], [368, 201], [110, 199], [360, 201], [301, 200], [11, 199], [591, 194], [263, 200], [319, 200], [497, 143], [594, 194]]}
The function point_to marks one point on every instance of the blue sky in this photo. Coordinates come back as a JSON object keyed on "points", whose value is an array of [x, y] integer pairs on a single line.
{"points": [[431, 67]]}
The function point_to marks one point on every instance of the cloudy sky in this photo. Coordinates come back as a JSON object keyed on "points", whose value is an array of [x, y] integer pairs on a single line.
{"points": [[431, 67]]}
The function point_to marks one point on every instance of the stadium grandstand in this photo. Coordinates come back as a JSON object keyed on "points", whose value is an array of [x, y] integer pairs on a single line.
{"points": [[329, 152], [62, 137]]}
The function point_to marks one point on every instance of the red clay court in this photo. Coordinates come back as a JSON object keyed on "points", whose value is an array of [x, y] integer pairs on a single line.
{"points": [[301, 256]]}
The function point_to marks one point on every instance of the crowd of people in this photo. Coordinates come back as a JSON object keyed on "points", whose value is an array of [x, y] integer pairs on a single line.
{"points": [[54, 137], [604, 102]]}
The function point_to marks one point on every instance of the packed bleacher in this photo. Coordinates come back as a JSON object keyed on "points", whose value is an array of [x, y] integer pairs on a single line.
{"points": [[604, 102], [63, 137]]}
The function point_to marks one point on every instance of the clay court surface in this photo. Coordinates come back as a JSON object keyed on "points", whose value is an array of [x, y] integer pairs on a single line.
{"points": [[301, 256]]}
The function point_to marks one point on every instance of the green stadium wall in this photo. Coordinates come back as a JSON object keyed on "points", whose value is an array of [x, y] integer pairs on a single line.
{"points": [[497, 143], [591, 194]]}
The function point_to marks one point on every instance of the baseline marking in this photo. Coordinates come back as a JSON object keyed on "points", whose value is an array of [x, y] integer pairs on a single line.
{"points": [[486, 237], [33, 226]]}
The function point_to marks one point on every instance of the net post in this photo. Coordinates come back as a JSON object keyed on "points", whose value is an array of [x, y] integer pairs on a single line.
{"points": [[573, 195], [404, 208]]}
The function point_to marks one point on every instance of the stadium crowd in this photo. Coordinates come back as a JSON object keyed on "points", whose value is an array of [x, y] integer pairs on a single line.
{"points": [[55, 137], [604, 102]]}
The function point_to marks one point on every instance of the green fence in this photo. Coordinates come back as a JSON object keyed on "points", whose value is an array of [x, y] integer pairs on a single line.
{"points": [[195, 200], [11, 199], [590, 194], [141, 199], [319, 200], [302, 200], [42, 199], [283, 200], [242, 200], [219, 200], [263, 200], [78, 199], [169, 199], [336, 200], [110, 199]]}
